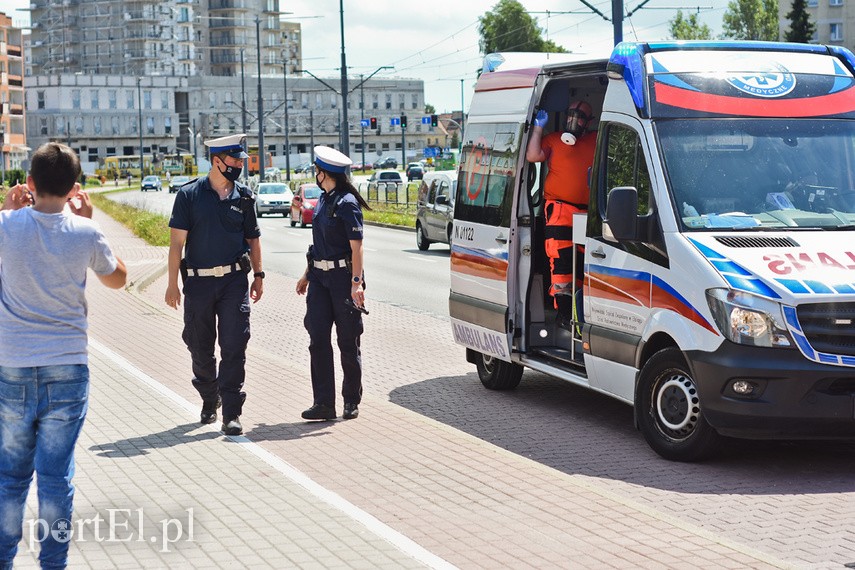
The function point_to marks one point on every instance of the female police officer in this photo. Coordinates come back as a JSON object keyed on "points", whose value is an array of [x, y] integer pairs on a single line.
{"points": [[335, 287]]}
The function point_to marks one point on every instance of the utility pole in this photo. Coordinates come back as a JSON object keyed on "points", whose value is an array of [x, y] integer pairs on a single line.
{"points": [[312, 135], [403, 146], [139, 96], [362, 117], [462, 115], [287, 141], [345, 128], [261, 162], [195, 149], [243, 112]]}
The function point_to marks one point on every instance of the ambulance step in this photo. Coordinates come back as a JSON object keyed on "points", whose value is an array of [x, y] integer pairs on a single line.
{"points": [[561, 355]]}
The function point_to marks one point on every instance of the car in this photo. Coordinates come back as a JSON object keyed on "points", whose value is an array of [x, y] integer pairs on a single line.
{"points": [[303, 204], [273, 198], [151, 183], [435, 208], [272, 174], [177, 182], [385, 180], [415, 171], [357, 165], [306, 167], [388, 162]]}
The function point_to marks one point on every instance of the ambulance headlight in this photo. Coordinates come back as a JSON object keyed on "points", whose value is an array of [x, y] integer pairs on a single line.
{"points": [[747, 319]]}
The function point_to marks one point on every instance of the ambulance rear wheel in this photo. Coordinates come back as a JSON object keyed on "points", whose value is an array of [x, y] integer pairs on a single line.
{"points": [[421, 240], [669, 411], [497, 374]]}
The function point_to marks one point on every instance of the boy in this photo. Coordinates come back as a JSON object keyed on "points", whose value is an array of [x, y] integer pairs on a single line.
{"points": [[45, 251]]}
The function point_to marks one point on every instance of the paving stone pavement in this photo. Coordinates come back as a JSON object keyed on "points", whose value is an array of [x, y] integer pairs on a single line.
{"points": [[435, 472]]}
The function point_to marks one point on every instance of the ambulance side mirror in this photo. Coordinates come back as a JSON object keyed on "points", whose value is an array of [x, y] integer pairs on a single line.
{"points": [[622, 214]]}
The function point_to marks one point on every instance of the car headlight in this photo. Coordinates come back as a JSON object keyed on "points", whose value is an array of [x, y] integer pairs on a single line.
{"points": [[265, 202], [747, 319]]}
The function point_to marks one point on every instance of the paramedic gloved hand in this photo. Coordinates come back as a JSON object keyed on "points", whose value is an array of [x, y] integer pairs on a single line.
{"points": [[540, 118]]}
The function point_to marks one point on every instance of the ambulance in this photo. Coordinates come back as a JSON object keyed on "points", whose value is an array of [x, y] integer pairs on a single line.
{"points": [[717, 290]]}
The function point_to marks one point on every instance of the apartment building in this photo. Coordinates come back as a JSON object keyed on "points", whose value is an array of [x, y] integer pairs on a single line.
{"points": [[13, 148], [834, 20]]}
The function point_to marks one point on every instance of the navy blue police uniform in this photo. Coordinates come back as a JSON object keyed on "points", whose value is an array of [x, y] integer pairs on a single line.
{"points": [[216, 290], [337, 220]]}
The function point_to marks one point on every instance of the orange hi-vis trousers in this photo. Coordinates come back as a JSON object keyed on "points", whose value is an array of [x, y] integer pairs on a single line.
{"points": [[559, 246]]}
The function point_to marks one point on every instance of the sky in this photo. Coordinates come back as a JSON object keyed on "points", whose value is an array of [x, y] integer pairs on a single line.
{"points": [[437, 40]]}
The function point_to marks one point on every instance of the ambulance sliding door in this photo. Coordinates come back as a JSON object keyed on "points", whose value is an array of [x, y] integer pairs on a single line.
{"points": [[478, 304]]}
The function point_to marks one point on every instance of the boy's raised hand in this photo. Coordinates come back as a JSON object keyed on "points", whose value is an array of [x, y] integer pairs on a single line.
{"points": [[18, 197], [85, 207]]}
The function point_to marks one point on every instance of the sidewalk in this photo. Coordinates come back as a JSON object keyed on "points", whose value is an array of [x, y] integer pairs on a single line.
{"points": [[396, 488]]}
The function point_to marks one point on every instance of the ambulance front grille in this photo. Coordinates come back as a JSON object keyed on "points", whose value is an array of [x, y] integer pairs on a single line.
{"points": [[829, 327], [756, 241]]}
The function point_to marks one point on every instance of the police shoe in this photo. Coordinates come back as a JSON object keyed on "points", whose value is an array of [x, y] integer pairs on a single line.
{"points": [[351, 411], [320, 412], [232, 427], [209, 411]]}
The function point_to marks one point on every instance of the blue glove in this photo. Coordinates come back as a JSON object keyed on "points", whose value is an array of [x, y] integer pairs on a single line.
{"points": [[541, 118]]}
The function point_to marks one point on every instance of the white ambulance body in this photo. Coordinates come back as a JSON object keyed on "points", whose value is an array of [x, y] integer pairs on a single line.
{"points": [[719, 243]]}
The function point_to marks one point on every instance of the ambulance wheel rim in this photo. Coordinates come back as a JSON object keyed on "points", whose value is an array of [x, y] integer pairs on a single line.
{"points": [[677, 405]]}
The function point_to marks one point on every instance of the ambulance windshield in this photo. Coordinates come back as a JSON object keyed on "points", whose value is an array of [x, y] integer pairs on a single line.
{"points": [[756, 174]]}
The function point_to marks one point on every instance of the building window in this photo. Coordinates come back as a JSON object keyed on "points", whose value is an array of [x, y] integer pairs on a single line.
{"points": [[401, 101], [96, 124], [812, 3], [835, 2], [60, 125], [164, 100], [43, 125], [40, 100], [129, 96], [111, 151], [149, 125], [78, 124], [147, 99], [75, 98], [375, 101], [111, 97], [212, 100], [93, 154], [114, 125], [167, 125], [384, 147], [333, 100], [94, 98], [304, 100], [319, 101], [836, 32], [414, 103], [388, 100]]}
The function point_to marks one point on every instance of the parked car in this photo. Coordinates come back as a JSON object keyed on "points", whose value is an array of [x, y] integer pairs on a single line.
{"points": [[273, 198], [357, 165], [272, 174], [151, 183], [303, 204], [415, 171], [388, 162], [305, 167], [435, 208], [385, 179], [177, 182]]}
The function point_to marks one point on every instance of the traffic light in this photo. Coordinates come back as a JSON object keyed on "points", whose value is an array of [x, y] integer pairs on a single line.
{"points": [[373, 122], [403, 121], [434, 120]]}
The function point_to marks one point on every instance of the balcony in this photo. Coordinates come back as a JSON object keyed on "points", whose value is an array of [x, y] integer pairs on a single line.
{"points": [[228, 5]]}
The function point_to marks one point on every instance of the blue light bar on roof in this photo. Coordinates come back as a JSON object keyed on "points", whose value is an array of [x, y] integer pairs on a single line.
{"points": [[627, 60], [736, 45]]}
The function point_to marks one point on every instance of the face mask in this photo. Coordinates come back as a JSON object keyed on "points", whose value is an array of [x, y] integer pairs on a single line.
{"points": [[231, 173], [575, 125], [318, 180]]}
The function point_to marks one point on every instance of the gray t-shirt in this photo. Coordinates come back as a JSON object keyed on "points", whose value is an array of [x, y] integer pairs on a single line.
{"points": [[43, 262]]}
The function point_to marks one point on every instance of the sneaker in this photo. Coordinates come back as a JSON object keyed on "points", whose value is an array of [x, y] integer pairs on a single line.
{"points": [[232, 427], [209, 411], [351, 411], [320, 412]]}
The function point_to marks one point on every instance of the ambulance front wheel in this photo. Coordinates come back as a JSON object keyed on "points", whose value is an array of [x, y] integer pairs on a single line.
{"points": [[669, 409], [497, 374]]}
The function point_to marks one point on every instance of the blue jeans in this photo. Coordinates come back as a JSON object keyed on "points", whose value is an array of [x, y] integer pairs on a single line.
{"points": [[41, 413]]}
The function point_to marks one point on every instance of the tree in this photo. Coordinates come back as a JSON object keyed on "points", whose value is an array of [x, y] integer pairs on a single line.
{"points": [[751, 20], [509, 28], [429, 109], [688, 28], [801, 28]]}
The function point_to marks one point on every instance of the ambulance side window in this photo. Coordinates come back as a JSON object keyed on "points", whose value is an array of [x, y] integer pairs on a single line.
{"points": [[626, 166]]}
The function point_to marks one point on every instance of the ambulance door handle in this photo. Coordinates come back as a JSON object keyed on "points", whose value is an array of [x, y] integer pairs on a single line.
{"points": [[501, 239], [598, 253]]}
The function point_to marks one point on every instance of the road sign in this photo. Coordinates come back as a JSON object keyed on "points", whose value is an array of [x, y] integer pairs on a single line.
{"points": [[395, 121], [365, 123], [425, 120]]}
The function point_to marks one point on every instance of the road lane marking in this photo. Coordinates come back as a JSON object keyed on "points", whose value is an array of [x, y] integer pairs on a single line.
{"points": [[372, 523], [422, 259]]}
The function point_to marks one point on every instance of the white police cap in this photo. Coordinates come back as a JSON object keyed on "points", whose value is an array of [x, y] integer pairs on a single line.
{"points": [[231, 145], [331, 160]]}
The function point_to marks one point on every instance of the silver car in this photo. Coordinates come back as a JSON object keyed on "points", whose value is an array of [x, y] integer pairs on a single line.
{"points": [[435, 214], [273, 198]]}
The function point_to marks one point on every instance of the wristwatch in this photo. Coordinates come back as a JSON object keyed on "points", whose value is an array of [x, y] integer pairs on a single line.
{"points": [[259, 274], [356, 280]]}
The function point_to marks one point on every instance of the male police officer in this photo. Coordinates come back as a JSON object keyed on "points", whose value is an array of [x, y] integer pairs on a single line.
{"points": [[215, 218]]}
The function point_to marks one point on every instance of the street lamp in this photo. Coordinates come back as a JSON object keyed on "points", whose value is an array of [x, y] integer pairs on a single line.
{"points": [[261, 162], [345, 130], [139, 97], [287, 141]]}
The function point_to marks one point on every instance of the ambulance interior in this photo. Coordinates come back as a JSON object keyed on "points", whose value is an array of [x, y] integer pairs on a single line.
{"points": [[545, 336]]}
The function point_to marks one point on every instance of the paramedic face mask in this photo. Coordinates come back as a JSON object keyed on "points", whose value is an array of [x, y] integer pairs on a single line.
{"points": [[577, 122]]}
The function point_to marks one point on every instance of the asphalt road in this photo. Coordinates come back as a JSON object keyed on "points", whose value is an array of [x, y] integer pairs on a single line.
{"points": [[396, 272]]}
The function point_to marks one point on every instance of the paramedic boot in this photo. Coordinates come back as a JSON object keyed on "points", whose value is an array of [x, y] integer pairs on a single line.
{"points": [[564, 319]]}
